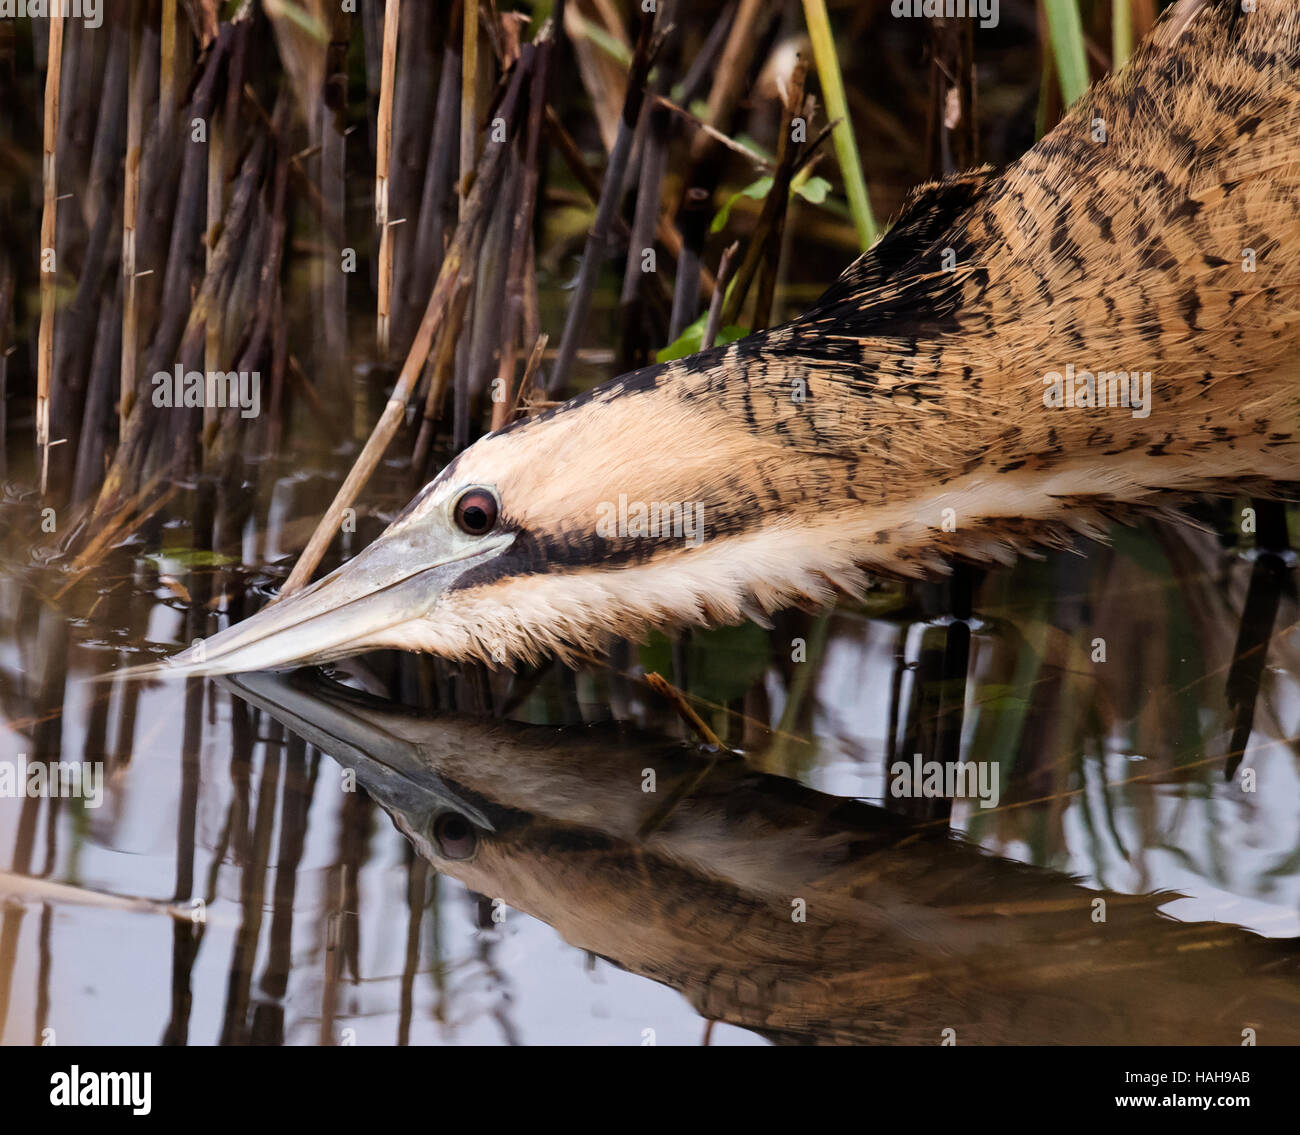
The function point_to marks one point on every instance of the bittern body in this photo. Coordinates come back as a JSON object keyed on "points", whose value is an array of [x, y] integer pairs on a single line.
{"points": [[957, 392]]}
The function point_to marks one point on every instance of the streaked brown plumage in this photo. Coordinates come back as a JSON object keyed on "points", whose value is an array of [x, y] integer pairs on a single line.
{"points": [[922, 390]]}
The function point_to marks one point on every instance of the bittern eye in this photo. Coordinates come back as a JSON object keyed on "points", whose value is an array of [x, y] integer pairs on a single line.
{"points": [[476, 512], [455, 836]]}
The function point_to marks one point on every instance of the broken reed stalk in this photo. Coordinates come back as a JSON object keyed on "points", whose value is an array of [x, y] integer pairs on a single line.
{"points": [[383, 157], [529, 377], [456, 264], [49, 262], [509, 349], [667, 235], [468, 93], [695, 212], [837, 110], [721, 708], [713, 324], [647, 45], [713, 134], [130, 218], [666, 690]]}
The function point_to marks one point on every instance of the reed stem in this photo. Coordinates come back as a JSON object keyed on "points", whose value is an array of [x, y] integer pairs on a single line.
{"points": [[837, 109], [383, 158], [130, 216], [1066, 30], [468, 93], [49, 262], [1121, 34]]}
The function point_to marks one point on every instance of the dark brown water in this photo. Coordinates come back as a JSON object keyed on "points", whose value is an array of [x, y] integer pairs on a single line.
{"points": [[230, 887]]}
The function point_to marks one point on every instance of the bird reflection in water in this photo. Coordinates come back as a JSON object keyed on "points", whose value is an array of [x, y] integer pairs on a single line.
{"points": [[806, 917]]}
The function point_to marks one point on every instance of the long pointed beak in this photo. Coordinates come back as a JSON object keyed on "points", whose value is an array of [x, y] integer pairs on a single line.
{"points": [[360, 606]]}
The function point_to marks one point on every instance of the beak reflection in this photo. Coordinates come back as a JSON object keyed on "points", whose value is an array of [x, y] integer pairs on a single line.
{"points": [[389, 766]]}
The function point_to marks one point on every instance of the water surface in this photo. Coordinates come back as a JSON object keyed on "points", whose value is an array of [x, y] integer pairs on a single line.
{"points": [[280, 906]]}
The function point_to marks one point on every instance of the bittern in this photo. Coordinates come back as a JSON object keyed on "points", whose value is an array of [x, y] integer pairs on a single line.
{"points": [[907, 932], [1111, 320]]}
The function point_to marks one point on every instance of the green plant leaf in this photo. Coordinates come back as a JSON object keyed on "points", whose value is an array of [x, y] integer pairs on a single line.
{"points": [[814, 190], [606, 42], [189, 559], [690, 340], [1066, 31], [756, 190]]}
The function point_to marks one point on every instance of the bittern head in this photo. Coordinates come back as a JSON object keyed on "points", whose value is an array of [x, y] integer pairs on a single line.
{"points": [[762, 474], [674, 495]]}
